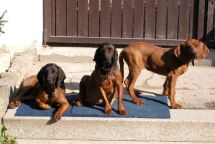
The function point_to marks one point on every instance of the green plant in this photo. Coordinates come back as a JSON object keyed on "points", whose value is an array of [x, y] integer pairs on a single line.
{"points": [[2, 22], [5, 139]]}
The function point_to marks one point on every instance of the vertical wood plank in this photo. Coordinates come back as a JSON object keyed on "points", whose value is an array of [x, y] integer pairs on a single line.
{"points": [[127, 26], [201, 19], [72, 17], [150, 19], [83, 18], [138, 18], [183, 32], [53, 17], [213, 27], [210, 31], [210, 22], [105, 18], [191, 27], [116, 28], [94, 18], [172, 19], [47, 20], [161, 27], [60, 17]]}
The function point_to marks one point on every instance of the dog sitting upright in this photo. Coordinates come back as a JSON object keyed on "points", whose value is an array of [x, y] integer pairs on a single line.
{"points": [[45, 88], [170, 62], [104, 85]]}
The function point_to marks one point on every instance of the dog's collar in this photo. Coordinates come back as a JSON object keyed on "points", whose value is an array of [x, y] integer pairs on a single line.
{"points": [[184, 63]]}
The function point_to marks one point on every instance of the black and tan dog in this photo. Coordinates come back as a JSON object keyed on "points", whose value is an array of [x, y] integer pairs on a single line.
{"points": [[46, 88], [104, 85], [170, 62]]}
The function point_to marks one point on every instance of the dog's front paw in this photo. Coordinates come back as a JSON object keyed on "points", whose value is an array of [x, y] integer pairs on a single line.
{"points": [[57, 116], [123, 112], [108, 110], [139, 102], [176, 106], [78, 103]]}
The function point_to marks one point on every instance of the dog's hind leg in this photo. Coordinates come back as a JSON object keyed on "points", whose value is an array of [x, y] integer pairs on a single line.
{"points": [[121, 64], [26, 86]]}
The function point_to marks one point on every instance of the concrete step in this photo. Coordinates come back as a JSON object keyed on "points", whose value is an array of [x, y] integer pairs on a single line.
{"points": [[32, 141], [183, 126]]}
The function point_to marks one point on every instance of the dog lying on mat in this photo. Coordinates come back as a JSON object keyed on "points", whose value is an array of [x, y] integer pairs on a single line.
{"points": [[104, 85], [46, 88], [170, 62]]}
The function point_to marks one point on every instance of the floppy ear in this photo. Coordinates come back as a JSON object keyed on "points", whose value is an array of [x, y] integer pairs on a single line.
{"points": [[202, 51], [115, 57], [97, 54], [40, 75], [177, 50], [60, 77]]}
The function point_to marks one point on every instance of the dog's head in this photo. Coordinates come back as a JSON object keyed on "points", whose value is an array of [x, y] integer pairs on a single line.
{"points": [[50, 77], [190, 50], [106, 57]]}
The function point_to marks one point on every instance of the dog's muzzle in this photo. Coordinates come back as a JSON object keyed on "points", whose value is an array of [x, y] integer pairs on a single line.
{"points": [[194, 55]]}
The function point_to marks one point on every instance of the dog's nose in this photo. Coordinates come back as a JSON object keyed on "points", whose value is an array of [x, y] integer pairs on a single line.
{"points": [[107, 65], [194, 54], [49, 80]]}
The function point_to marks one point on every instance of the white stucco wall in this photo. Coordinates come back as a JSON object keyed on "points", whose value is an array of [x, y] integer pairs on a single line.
{"points": [[25, 24], [23, 29]]}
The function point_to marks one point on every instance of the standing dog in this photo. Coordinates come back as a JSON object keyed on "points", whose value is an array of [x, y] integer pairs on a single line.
{"points": [[104, 85], [170, 62], [45, 88]]}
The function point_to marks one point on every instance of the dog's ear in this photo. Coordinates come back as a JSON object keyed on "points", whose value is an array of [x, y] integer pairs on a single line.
{"points": [[40, 75], [177, 50], [115, 57], [202, 51], [97, 54], [60, 77]]}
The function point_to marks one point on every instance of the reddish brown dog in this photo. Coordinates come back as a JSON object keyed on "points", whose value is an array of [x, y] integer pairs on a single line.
{"points": [[46, 88], [170, 62], [104, 85]]}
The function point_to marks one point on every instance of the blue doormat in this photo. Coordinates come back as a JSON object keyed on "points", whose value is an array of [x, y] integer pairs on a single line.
{"points": [[154, 107]]}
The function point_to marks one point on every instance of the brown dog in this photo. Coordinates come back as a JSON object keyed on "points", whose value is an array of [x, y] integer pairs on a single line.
{"points": [[104, 85], [170, 62], [46, 88]]}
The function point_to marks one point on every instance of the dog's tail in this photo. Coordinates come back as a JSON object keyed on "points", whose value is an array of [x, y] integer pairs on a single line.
{"points": [[121, 64]]}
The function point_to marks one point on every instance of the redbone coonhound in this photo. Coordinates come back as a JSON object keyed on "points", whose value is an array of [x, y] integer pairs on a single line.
{"points": [[170, 62]]}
